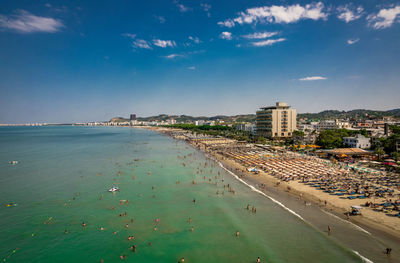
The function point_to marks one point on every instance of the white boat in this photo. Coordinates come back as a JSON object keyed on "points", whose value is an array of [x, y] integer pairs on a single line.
{"points": [[13, 162], [113, 189]]}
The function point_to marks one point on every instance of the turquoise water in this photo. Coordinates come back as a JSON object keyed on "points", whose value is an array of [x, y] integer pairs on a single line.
{"points": [[62, 179]]}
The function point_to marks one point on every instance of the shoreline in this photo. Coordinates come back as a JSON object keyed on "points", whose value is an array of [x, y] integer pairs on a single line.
{"points": [[267, 184]]}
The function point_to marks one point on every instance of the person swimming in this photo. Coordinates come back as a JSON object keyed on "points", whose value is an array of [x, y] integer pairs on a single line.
{"points": [[190, 220], [83, 224], [194, 201], [237, 233], [258, 260], [66, 231]]}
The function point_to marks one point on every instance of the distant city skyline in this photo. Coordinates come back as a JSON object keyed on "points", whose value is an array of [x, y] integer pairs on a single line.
{"points": [[73, 61]]}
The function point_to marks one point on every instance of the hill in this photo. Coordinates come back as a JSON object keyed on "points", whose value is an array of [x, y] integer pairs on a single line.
{"points": [[327, 114]]}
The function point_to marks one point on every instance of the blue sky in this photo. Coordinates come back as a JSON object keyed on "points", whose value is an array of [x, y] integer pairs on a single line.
{"points": [[70, 61]]}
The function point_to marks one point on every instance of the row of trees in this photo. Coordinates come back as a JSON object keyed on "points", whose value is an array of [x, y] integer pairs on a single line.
{"points": [[219, 130]]}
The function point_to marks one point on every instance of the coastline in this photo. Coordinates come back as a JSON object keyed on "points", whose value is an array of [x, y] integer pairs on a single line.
{"points": [[299, 194]]}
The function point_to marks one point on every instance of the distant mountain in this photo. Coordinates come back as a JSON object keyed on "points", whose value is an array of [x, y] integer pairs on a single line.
{"points": [[352, 114], [327, 114], [119, 119]]}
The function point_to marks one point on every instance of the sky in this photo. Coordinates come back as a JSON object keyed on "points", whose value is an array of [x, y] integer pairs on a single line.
{"points": [[75, 61]]}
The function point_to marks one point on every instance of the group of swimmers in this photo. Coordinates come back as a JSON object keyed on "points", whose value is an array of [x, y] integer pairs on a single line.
{"points": [[253, 208]]}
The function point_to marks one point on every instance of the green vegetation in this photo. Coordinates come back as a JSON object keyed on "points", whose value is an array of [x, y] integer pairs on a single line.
{"points": [[334, 138], [352, 114], [219, 130], [388, 144]]}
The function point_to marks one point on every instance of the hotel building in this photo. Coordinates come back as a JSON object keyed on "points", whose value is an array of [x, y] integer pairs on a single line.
{"points": [[276, 122]]}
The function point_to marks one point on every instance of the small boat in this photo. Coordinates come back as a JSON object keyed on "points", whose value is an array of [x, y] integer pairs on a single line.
{"points": [[13, 162], [113, 189]]}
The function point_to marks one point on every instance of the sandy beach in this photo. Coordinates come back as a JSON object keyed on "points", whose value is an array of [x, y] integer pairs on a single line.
{"points": [[377, 222]]}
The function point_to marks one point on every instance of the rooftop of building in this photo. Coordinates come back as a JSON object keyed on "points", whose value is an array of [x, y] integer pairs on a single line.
{"points": [[278, 105]]}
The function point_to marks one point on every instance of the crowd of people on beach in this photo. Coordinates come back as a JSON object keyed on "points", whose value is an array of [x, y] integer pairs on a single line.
{"points": [[380, 190]]}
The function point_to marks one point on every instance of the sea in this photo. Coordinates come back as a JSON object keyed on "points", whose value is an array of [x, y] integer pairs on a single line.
{"points": [[173, 202]]}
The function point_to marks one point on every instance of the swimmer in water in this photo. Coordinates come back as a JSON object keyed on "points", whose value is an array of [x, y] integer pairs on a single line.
{"points": [[66, 231], [155, 228], [83, 224], [101, 228], [190, 220], [192, 229], [194, 201], [237, 233], [258, 260], [248, 206], [126, 225]]}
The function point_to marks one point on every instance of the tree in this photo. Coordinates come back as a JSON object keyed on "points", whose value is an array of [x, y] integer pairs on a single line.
{"points": [[395, 156], [380, 152]]}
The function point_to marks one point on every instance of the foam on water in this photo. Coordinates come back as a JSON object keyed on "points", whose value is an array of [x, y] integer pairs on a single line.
{"points": [[354, 225], [364, 259], [262, 193]]}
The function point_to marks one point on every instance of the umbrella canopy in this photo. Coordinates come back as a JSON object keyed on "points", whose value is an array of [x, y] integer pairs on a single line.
{"points": [[390, 160]]}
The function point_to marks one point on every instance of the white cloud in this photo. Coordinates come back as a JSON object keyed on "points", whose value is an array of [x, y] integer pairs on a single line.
{"points": [[227, 23], [268, 42], [260, 35], [226, 35], [24, 22], [206, 8], [194, 39], [192, 68], [312, 78], [132, 36], [278, 14], [384, 18], [164, 43], [172, 56], [353, 41], [141, 43], [160, 19], [181, 7], [347, 14]]}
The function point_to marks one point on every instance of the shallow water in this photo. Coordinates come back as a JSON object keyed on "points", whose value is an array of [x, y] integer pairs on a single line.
{"points": [[64, 171]]}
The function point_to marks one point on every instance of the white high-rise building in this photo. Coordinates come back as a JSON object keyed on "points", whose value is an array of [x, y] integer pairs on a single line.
{"points": [[276, 122]]}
